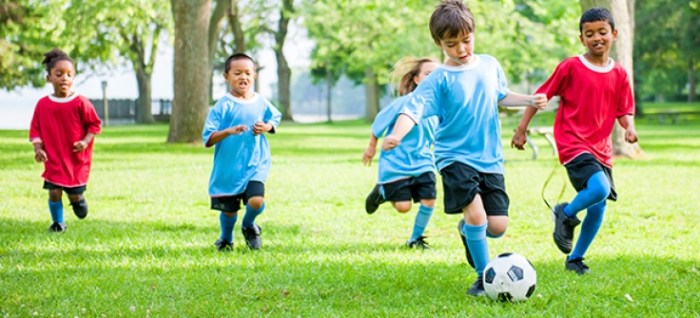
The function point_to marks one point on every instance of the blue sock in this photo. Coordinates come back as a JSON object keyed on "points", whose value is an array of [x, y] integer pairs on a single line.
{"points": [[56, 209], [589, 229], [251, 214], [227, 224], [422, 219], [597, 190], [476, 241]]}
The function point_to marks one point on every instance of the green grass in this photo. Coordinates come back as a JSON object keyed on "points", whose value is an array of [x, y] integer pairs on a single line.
{"points": [[146, 247]]}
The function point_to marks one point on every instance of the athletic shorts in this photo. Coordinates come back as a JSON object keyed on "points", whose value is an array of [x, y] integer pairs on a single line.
{"points": [[583, 167], [232, 203], [70, 190], [416, 188], [461, 183]]}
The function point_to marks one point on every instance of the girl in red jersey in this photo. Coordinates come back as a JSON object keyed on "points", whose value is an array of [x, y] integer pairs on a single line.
{"points": [[62, 131]]}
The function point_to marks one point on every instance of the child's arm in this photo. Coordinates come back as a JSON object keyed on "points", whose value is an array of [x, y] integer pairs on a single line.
{"points": [[219, 135], [82, 144], [520, 136], [539, 101], [403, 125], [39, 153], [370, 151], [261, 127], [627, 122]]}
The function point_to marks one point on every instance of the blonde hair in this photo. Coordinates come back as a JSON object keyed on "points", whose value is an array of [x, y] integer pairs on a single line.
{"points": [[405, 70]]}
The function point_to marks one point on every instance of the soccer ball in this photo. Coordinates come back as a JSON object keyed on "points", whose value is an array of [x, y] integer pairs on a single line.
{"points": [[509, 277]]}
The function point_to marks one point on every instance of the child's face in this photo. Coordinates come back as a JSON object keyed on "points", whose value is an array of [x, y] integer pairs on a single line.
{"points": [[597, 37], [425, 70], [240, 77], [61, 76], [459, 50]]}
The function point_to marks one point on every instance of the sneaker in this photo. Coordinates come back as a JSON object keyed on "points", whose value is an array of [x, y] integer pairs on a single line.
{"points": [[374, 199], [477, 290], [418, 243], [223, 245], [563, 228], [252, 236], [80, 208], [58, 227], [577, 265], [464, 242]]}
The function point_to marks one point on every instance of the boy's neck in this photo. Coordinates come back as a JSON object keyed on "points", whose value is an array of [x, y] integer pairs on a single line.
{"points": [[601, 61], [245, 95], [63, 95]]}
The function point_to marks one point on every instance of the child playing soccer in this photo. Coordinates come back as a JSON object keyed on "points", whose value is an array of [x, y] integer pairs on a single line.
{"points": [[406, 172], [62, 130], [594, 91], [236, 127], [465, 93]]}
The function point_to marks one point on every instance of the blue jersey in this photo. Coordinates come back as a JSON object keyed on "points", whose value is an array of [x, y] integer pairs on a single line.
{"points": [[465, 99], [239, 159], [413, 156]]}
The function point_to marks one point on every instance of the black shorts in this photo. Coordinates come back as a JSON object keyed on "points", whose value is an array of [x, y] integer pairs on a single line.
{"points": [[70, 190], [232, 203], [416, 188], [461, 183], [583, 167]]}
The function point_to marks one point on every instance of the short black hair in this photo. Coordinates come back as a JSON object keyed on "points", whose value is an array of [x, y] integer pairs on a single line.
{"points": [[450, 19], [594, 15], [54, 56], [236, 57]]}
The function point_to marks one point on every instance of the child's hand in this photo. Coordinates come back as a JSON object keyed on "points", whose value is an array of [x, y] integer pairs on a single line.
{"points": [[79, 146], [539, 101], [40, 155], [519, 139], [390, 142], [261, 127], [631, 135], [236, 130], [368, 155]]}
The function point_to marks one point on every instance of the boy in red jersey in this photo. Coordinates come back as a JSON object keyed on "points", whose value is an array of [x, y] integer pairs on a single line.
{"points": [[62, 131], [594, 91]]}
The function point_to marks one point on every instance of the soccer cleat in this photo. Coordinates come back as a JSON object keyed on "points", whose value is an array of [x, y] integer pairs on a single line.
{"points": [[58, 227], [252, 236], [577, 265], [80, 208], [223, 245], [464, 242], [563, 228], [477, 289], [418, 243], [374, 199]]}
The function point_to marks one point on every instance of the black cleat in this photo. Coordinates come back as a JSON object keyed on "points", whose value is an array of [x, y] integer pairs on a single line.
{"points": [[252, 236], [464, 242], [563, 228], [577, 265], [58, 227], [477, 290], [418, 243], [223, 245], [374, 199], [80, 208]]}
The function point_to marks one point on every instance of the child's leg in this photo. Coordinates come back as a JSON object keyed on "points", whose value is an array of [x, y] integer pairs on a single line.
{"points": [[227, 221], [427, 206], [589, 229], [402, 206], [474, 230], [255, 207], [77, 201], [56, 205], [597, 190]]}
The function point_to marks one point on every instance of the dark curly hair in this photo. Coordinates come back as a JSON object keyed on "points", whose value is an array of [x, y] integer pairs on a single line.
{"points": [[54, 56]]}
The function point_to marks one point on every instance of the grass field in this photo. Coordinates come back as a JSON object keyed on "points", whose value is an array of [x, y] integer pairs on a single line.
{"points": [[146, 249]]}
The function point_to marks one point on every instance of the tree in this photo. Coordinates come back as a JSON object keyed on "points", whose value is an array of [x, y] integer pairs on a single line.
{"points": [[623, 13], [196, 27], [284, 73]]}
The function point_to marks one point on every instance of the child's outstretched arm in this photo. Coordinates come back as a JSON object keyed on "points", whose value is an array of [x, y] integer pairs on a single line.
{"points": [[538, 101], [627, 122], [370, 151], [403, 125], [219, 135], [520, 136]]}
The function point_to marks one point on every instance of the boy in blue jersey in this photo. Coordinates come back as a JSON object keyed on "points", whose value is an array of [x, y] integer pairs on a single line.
{"points": [[465, 93], [236, 127], [406, 172]]}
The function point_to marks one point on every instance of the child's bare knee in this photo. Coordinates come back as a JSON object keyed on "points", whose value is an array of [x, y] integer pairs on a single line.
{"points": [[256, 202], [402, 207], [55, 194]]}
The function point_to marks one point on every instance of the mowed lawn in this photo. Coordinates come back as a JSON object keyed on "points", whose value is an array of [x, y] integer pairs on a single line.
{"points": [[146, 248]]}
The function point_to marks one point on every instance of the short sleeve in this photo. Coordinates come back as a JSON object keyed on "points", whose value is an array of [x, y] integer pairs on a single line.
{"points": [[424, 100], [272, 116], [91, 122], [625, 105], [212, 123], [553, 85], [502, 88]]}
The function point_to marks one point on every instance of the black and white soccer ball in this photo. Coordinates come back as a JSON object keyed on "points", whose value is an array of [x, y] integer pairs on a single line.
{"points": [[509, 277]]}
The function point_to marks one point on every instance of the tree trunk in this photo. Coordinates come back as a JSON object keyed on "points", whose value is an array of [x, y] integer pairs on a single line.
{"points": [[329, 95], [371, 94], [284, 74], [192, 70], [623, 13], [237, 28], [692, 81], [144, 113]]}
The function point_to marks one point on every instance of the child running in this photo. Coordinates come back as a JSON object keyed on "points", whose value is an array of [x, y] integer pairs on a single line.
{"points": [[465, 93], [62, 130], [236, 126], [408, 171], [594, 91]]}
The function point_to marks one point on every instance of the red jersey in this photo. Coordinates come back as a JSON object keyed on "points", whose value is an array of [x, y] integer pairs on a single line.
{"points": [[591, 99], [58, 123]]}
